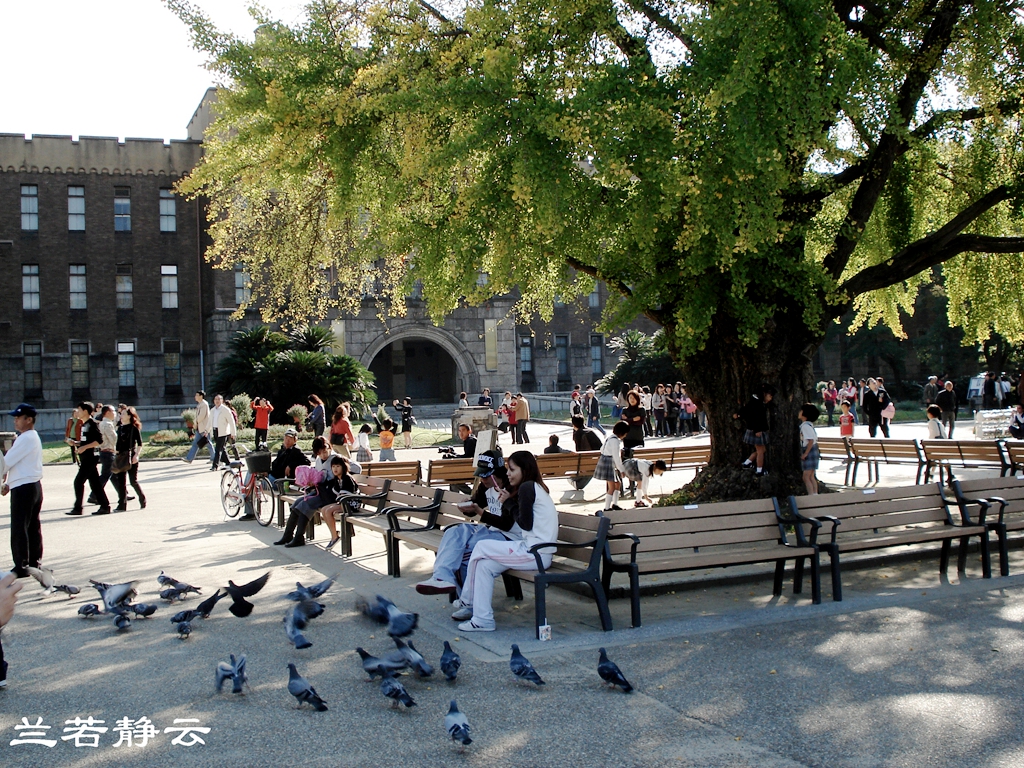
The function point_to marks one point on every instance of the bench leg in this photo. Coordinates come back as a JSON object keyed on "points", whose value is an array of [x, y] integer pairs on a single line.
{"points": [[1004, 564], [634, 595], [961, 554], [780, 567], [944, 557], [391, 545], [347, 532], [798, 575], [601, 598], [986, 557], [837, 582], [853, 480], [816, 579], [540, 606], [513, 586]]}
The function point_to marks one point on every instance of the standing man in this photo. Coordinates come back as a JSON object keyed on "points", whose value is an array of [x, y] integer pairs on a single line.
{"points": [[23, 480], [989, 393], [947, 401], [202, 428], [108, 449], [593, 406], [522, 417], [222, 421], [88, 461], [931, 390]]}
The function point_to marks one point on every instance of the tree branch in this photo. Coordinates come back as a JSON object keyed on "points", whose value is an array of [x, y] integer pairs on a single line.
{"points": [[633, 49], [935, 248], [662, 21], [587, 269], [946, 117], [920, 69]]}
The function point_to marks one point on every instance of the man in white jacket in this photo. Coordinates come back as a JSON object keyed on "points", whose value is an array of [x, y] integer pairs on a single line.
{"points": [[202, 428], [222, 422], [23, 480]]}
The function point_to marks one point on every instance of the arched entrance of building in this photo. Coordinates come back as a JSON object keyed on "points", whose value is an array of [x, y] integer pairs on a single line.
{"points": [[416, 368]]}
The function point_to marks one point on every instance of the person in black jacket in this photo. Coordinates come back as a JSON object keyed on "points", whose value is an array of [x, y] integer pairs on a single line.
{"points": [[584, 438], [947, 401], [88, 461], [129, 437], [288, 459], [328, 497], [876, 400], [754, 415]]}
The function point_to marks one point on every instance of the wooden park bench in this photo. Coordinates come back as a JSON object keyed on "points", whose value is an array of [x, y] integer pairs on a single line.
{"points": [[1000, 503], [402, 498], [450, 472], [882, 518], [695, 536], [837, 449], [874, 451], [1015, 455], [403, 471], [694, 457], [372, 490], [943, 455]]}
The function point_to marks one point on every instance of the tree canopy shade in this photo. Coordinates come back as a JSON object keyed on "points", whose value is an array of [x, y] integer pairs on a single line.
{"points": [[741, 172]]}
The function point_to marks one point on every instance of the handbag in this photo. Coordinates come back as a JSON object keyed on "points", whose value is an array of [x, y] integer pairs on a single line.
{"points": [[122, 462], [337, 438], [202, 441], [889, 411]]}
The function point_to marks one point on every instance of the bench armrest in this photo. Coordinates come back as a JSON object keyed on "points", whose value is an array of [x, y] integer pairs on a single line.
{"points": [[983, 507], [797, 520], [431, 510], [632, 549], [535, 549], [349, 512], [821, 519]]}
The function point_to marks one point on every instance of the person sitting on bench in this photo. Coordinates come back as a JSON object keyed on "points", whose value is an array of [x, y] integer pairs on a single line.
{"points": [[328, 498], [496, 519], [554, 447], [288, 458]]}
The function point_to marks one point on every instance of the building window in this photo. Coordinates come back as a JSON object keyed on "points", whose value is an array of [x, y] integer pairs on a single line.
{"points": [[79, 365], [562, 355], [76, 284], [169, 286], [122, 209], [242, 292], [526, 354], [168, 215], [29, 207], [123, 287], [594, 299], [172, 365], [596, 355], [126, 364], [30, 286], [32, 351], [76, 209]]}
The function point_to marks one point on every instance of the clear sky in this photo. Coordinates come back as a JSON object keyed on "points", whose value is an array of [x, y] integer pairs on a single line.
{"points": [[108, 67]]}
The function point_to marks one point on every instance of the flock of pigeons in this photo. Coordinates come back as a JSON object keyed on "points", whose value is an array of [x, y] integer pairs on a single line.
{"points": [[116, 601]]}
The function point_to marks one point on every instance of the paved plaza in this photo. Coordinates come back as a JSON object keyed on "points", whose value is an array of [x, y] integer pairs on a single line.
{"points": [[909, 670]]}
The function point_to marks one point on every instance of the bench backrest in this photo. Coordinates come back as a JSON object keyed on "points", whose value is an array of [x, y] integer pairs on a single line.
{"points": [[552, 465], [834, 448], [964, 452], [877, 449], [876, 508], [703, 526], [1009, 488], [406, 471], [450, 471], [574, 528], [1015, 451], [678, 457]]}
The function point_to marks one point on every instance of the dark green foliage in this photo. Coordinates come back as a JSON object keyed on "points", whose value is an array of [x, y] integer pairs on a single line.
{"points": [[642, 361], [284, 370]]}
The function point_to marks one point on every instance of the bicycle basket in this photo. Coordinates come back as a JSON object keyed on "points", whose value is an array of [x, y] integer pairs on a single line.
{"points": [[258, 462]]}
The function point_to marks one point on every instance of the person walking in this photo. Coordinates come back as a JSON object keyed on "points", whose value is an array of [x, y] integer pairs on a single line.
{"points": [[107, 447], [222, 422], [948, 402], [593, 409], [830, 395], [342, 438], [930, 391], [522, 417], [23, 481], [658, 406], [86, 448], [262, 408], [202, 436], [129, 446], [317, 418], [848, 394], [876, 400]]}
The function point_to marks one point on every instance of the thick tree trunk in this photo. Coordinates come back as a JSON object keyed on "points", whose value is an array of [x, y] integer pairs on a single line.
{"points": [[723, 376]]}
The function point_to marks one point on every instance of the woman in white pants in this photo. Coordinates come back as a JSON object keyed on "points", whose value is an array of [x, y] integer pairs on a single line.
{"points": [[536, 516]]}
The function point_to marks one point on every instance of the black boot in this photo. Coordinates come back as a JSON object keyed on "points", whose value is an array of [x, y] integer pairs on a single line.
{"points": [[300, 536], [289, 528]]}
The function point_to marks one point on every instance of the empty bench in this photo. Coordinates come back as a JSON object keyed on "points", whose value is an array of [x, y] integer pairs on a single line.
{"points": [[719, 535], [837, 449], [874, 451], [450, 472], [882, 518], [1000, 503], [404, 471], [943, 455], [694, 457]]}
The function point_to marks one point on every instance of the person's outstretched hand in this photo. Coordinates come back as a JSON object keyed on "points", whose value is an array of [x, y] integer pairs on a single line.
{"points": [[9, 588]]}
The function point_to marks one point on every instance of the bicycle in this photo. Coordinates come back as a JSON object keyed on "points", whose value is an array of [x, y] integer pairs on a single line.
{"points": [[257, 493]]}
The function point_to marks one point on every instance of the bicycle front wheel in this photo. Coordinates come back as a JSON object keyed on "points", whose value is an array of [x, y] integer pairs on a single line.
{"points": [[264, 501], [231, 496]]}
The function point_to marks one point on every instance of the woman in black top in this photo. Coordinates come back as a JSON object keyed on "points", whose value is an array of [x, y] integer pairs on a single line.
{"points": [[87, 460], [635, 415], [129, 442], [755, 418], [405, 410]]}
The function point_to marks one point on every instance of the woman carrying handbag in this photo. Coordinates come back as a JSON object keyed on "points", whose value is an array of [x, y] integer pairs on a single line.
{"points": [[126, 462]]}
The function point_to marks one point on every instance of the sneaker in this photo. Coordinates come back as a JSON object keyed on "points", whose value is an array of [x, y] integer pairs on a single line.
{"points": [[462, 611], [435, 587], [186, 460], [3, 676], [469, 626]]}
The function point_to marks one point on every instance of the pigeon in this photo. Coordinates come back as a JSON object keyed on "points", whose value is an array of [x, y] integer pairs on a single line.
{"points": [[205, 608], [450, 662], [292, 629], [185, 588], [122, 622], [400, 624], [184, 629], [240, 606], [145, 610], [299, 687], [69, 589], [173, 593], [88, 610], [234, 671], [115, 596], [165, 580], [311, 593], [372, 665], [44, 576], [414, 658], [188, 615], [522, 668], [393, 689], [308, 609], [375, 611], [610, 673], [457, 725]]}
